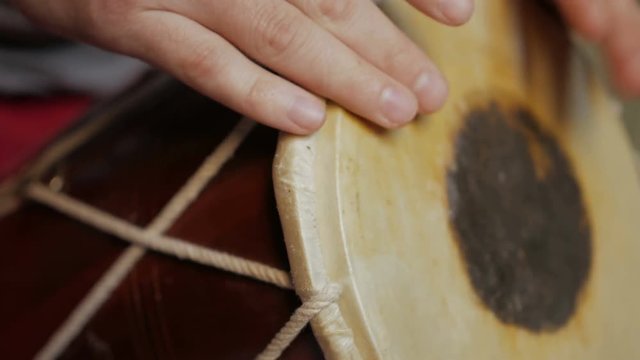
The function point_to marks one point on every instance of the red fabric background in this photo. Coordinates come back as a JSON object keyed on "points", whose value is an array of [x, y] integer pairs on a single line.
{"points": [[29, 124]]}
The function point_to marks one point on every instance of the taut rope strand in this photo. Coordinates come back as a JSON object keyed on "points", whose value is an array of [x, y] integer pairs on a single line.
{"points": [[152, 240], [90, 304], [100, 292], [209, 168], [300, 318]]}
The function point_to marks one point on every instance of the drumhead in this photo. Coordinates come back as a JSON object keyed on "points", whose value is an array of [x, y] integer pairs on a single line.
{"points": [[502, 227]]}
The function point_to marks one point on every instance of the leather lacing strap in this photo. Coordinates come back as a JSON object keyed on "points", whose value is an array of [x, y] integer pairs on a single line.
{"points": [[152, 238]]}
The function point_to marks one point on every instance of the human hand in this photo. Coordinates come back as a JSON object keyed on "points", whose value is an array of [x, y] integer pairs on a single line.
{"points": [[343, 50], [347, 51], [615, 26]]}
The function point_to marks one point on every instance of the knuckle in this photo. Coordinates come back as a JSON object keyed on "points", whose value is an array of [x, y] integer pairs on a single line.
{"points": [[255, 97], [107, 18], [277, 32], [202, 63], [110, 12], [337, 10], [402, 58]]}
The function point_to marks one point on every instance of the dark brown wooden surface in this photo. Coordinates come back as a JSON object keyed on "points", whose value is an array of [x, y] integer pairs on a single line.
{"points": [[166, 308]]}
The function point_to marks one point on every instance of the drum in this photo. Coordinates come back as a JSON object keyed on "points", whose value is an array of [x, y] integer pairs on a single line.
{"points": [[503, 227]]}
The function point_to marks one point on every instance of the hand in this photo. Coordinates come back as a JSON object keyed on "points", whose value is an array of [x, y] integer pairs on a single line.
{"points": [[344, 50], [615, 26]]}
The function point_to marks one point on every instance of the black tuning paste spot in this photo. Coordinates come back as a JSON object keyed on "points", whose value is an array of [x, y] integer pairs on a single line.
{"points": [[519, 219]]}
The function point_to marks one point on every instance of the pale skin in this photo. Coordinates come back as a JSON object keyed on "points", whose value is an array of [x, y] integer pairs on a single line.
{"points": [[277, 60]]}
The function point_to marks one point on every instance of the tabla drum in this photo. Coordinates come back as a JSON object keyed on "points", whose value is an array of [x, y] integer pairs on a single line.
{"points": [[503, 227]]}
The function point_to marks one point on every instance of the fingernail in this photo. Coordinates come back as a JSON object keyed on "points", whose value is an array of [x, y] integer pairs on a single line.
{"points": [[432, 91], [397, 107], [456, 11], [308, 113]]}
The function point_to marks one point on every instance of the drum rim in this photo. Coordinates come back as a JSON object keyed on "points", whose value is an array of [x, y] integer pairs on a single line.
{"points": [[292, 165]]}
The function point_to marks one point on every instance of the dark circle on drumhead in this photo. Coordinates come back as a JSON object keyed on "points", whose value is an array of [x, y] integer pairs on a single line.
{"points": [[518, 216]]}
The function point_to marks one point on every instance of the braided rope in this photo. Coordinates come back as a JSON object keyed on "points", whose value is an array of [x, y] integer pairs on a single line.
{"points": [[317, 302], [174, 247], [207, 171], [94, 299], [101, 291], [152, 238]]}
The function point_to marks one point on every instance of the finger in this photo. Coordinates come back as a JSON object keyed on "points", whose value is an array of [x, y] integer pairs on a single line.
{"points": [[588, 17], [450, 12], [359, 22], [211, 65], [615, 25], [279, 36], [622, 48], [626, 74]]}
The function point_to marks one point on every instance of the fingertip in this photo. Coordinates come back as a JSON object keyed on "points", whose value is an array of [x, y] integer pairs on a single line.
{"points": [[623, 56], [398, 107], [432, 91], [450, 12], [589, 18], [593, 28], [627, 77], [457, 12], [307, 114], [593, 31]]}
